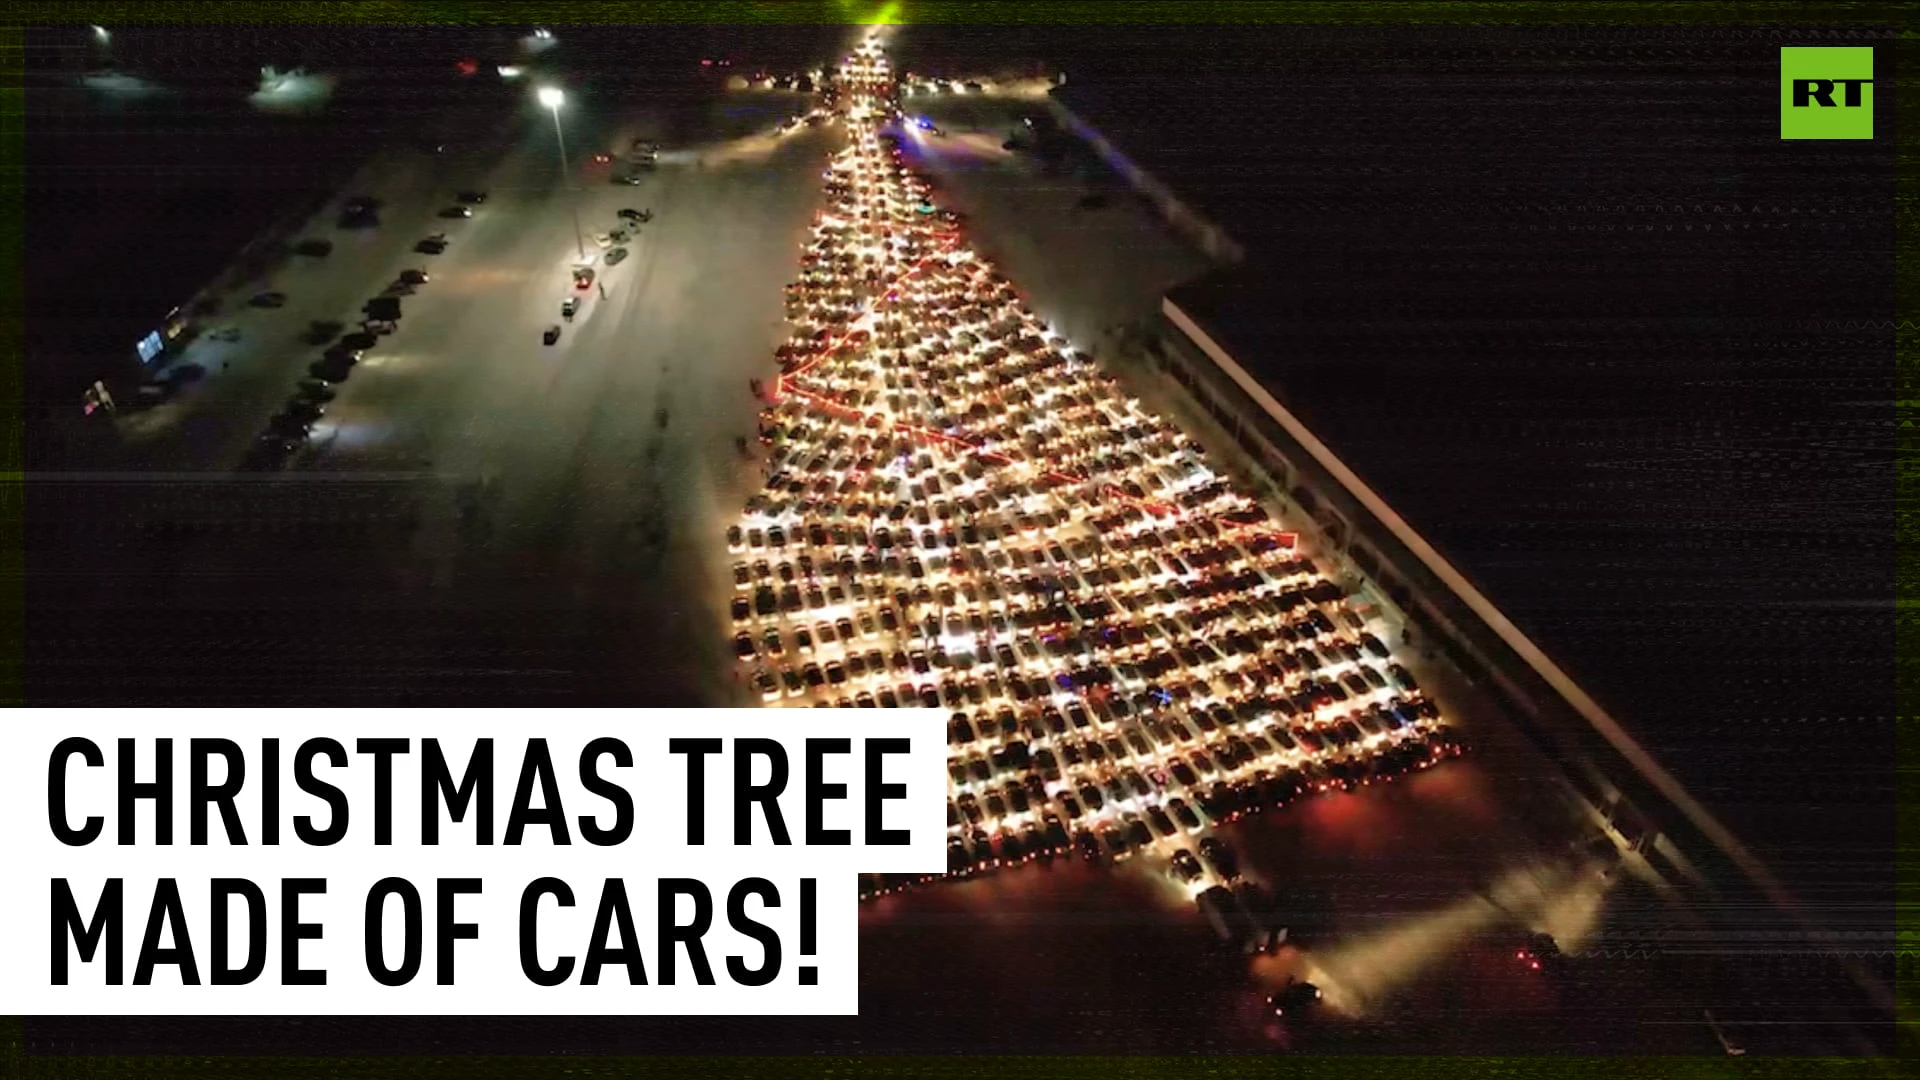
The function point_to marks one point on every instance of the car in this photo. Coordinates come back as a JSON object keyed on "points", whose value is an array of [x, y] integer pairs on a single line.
{"points": [[329, 370], [360, 339], [1539, 952], [471, 197], [315, 389], [305, 409], [603, 159], [1220, 857], [741, 608], [345, 354], [270, 450], [629, 213], [1294, 1000], [550, 335], [616, 256], [1162, 824], [603, 239], [1088, 844], [1402, 677], [289, 426], [457, 212], [629, 179], [1186, 867], [764, 682], [430, 247], [583, 277], [413, 277], [959, 861], [268, 300], [743, 646], [1183, 814]]}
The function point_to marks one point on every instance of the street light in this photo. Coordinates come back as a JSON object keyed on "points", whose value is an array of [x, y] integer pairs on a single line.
{"points": [[553, 97]]}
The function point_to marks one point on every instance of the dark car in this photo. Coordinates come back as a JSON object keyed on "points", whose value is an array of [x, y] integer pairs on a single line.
{"points": [[550, 335], [958, 860], [1402, 677], [1186, 867], [431, 246], [413, 277], [360, 340], [1183, 814], [471, 197], [1220, 857], [457, 212], [1374, 645], [1539, 952], [289, 426], [1294, 1000], [269, 452], [330, 370], [1087, 844], [305, 410], [1162, 824], [316, 390]]}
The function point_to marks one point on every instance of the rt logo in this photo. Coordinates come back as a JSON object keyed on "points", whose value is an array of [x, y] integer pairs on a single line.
{"points": [[1826, 93]]}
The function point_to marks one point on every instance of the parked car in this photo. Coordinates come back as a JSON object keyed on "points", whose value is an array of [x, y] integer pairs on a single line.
{"points": [[457, 212], [1186, 867], [616, 256], [550, 335], [1293, 1000]]}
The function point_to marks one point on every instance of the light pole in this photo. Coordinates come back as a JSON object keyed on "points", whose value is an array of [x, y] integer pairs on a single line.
{"points": [[553, 97]]}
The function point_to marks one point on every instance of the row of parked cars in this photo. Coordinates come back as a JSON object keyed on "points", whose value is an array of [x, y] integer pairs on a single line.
{"points": [[292, 426]]}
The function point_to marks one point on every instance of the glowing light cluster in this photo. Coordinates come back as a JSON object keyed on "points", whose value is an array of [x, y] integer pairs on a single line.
{"points": [[963, 512]]}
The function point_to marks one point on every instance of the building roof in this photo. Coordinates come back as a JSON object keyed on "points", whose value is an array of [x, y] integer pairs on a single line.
{"points": [[1606, 341]]}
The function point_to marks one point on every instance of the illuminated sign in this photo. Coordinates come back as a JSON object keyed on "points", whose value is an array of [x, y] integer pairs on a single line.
{"points": [[150, 347]]}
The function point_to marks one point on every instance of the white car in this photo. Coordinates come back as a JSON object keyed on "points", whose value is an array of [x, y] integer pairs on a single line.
{"points": [[603, 239]]}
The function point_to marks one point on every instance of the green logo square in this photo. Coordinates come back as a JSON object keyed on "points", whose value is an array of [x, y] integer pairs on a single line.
{"points": [[1826, 93]]}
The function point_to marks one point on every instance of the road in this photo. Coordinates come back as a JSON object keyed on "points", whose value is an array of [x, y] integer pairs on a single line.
{"points": [[478, 515]]}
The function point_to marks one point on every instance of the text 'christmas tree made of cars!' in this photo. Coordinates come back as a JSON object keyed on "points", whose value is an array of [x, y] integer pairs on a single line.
{"points": [[962, 512]]}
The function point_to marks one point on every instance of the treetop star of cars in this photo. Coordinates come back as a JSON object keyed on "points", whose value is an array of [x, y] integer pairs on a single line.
{"points": [[963, 512]]}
